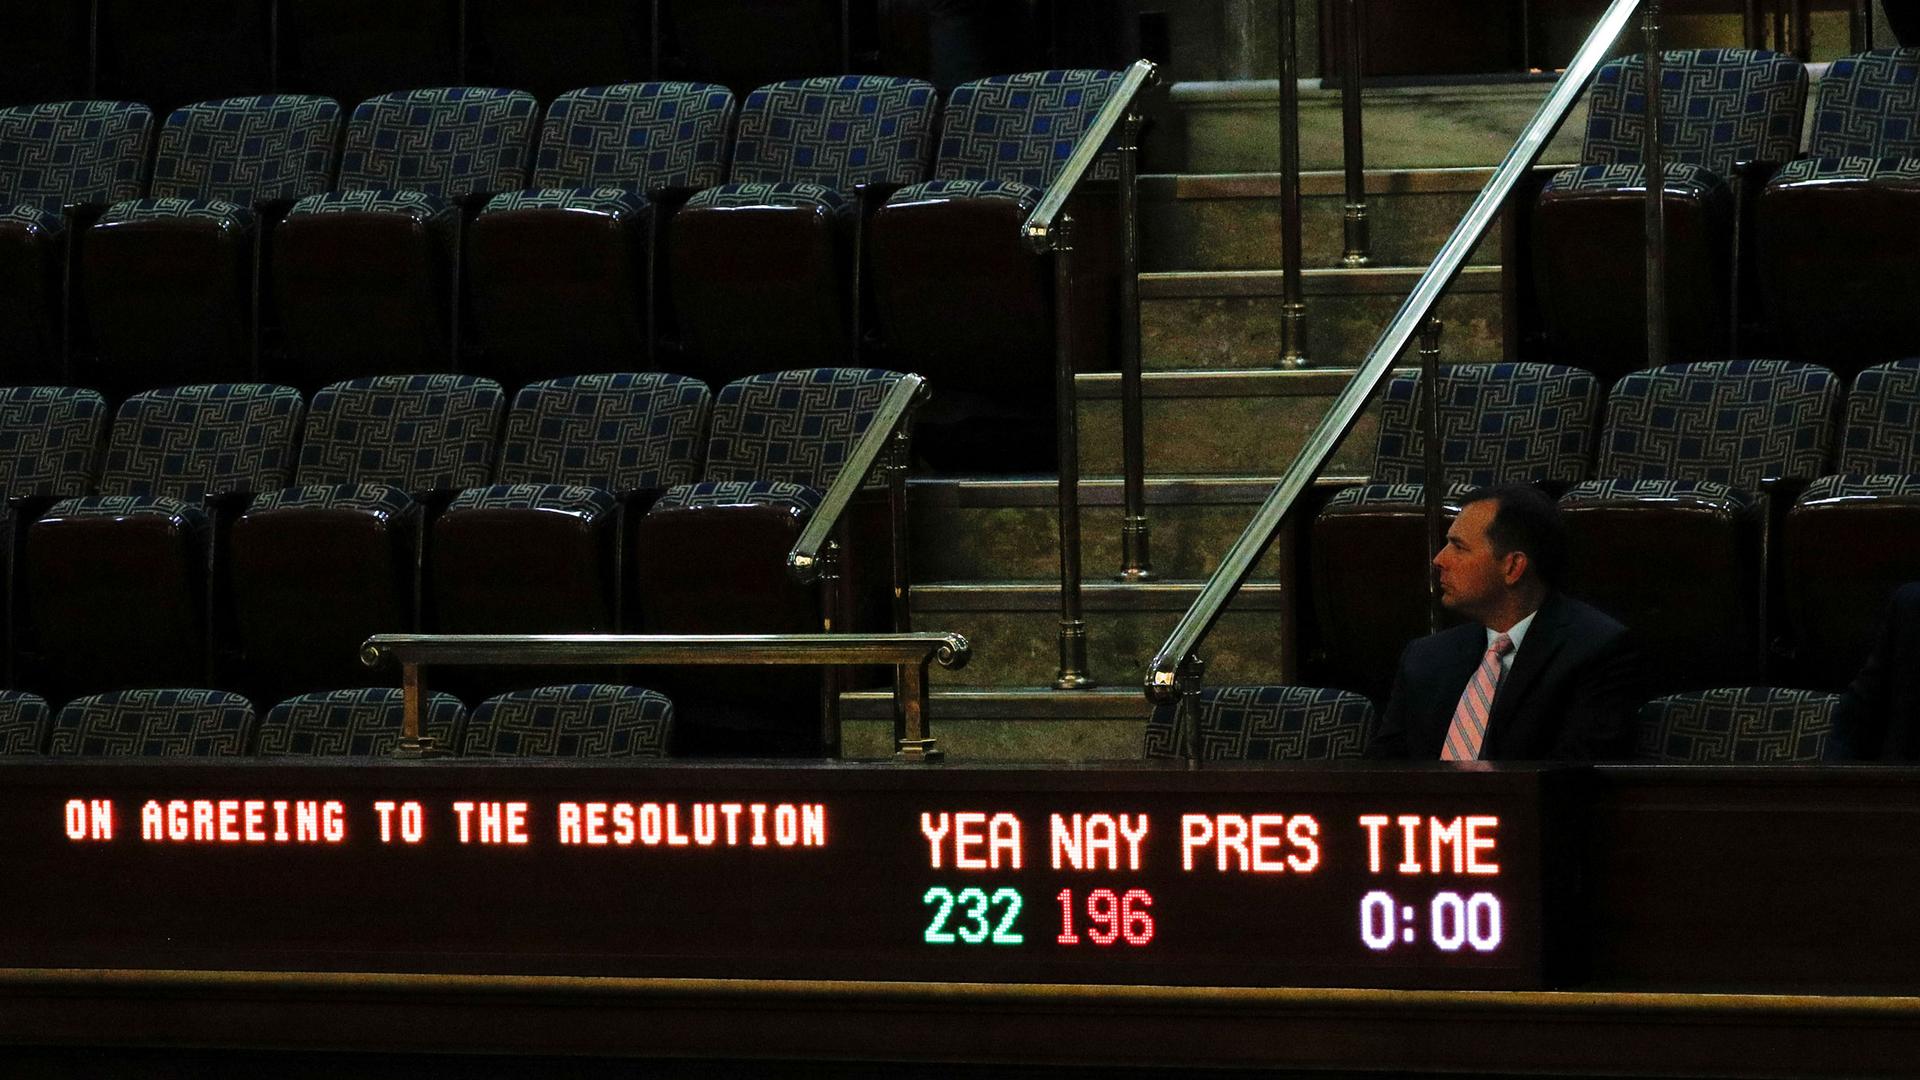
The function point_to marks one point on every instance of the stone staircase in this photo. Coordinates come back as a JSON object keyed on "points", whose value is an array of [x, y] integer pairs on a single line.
{"points": [[1222, 424]]}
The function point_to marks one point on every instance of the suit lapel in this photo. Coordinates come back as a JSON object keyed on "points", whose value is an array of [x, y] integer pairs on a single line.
{"points": [[1529, 661]]}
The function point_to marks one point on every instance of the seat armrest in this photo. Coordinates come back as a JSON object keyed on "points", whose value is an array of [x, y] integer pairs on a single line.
{"points": [[273, 211], [638, 500], [30, 508], [81, 215]]}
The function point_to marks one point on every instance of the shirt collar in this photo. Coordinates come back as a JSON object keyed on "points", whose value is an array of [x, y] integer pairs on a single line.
{"points": [[1515, 633]]}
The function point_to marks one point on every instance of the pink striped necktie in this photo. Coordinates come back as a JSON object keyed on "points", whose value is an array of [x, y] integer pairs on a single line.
{"points": [[1469, 728]]}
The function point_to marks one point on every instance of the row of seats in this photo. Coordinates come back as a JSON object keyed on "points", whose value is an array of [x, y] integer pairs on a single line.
{"points": [[1707, 497], [828, 216], [1818, 246], [571, 721], [204, 544], [1745, 725]]}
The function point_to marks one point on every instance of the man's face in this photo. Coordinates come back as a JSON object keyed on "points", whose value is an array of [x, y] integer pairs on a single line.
{"points": [[1473, 578]]}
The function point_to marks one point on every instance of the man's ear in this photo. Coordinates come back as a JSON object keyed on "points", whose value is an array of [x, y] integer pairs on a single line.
{"points": [[1513, 566]]}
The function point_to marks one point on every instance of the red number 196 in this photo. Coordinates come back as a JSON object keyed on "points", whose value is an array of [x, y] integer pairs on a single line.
{"points": [[1113, 917]]}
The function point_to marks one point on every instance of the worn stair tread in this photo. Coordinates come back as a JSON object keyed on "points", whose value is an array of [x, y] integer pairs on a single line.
{"points": [[998, 491], [1315, 182], [1096, 596], [1314, 281], [1010, 703]]}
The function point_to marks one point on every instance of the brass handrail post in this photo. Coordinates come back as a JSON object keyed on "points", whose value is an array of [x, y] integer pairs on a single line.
{"points": [[414, 741], [1434, 484], [1293, 310], [912, 742], [1353, 143], [1656, 200], [1073, 673], [1136, 560]]}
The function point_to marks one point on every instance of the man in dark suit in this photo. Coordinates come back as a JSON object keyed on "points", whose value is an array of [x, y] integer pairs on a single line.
{"points": [[1879, 715], [1535, 675]]}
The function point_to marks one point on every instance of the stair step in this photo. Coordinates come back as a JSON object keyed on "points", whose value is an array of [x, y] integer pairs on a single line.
{"points": [[1008, 529], [1231, 318], [1232, 221], [1014, 628], [1234, 126], [1219, 423], [1026, 723]]}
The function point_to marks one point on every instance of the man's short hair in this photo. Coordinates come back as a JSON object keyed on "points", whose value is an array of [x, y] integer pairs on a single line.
{"points": [[1526, 520]]}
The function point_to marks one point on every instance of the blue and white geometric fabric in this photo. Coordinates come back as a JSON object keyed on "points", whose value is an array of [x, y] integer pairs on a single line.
{"points": [[355, 723], [1626, 178], [1021, 127], [73, 152], [607, 201], [190, 441], [23, 723], [447, 142], [183, 515], [1734, 422], [570, 499], [1891, 171], [1025, 195], [1265, 723], [383, 501], [836, 131], [221, 214], [1396, 497], [49, 439], [1868, 106], [155, 723], [1742, 725], [1882, 432], [33, 219], [636, 136], [1873, 487], [417, 206], [796, 426], [247, 150], [774, 193], [416, 432], [1696, 494], [798, 499], [578, 721], [617, 432], [1499, 423], [1717, 107]]}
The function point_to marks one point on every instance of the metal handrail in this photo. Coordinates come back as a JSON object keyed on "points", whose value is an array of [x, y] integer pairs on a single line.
{"points": [[1164, 674], [896, 408], [1038, 229], [908, 654]]}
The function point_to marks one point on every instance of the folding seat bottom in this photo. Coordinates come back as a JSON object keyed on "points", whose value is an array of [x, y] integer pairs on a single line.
{"points": [[544, 568], [169, 300], [363, 293], [1846, 546], [761, 288], [1837, 261]]}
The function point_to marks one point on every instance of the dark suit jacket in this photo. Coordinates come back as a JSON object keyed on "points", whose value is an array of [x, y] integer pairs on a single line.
{"points": [[1879, 715], [1571, 695]]}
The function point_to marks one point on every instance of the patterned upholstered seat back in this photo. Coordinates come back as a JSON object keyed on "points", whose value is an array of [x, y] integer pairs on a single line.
{"points": [[1882, 433], [1743, 725], [578, 721], [188, 442], [49, 439], [618, 432], [1265, 723], [354, 723], [1499, 423], [1020, 127], [836, 131], [1736, 422], [447, 142], [247, 150], [1717, 107], [23, 723], [793, 426], [636, 135], [155, 723], [73, 152], [415, 432], [1869, 106]]}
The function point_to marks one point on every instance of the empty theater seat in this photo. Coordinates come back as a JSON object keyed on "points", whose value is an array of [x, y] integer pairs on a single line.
{"points": [[154, 723], [1837, 229], [364, 275], [762, 265], [1498, 423], [581, 720], [1262, 723], [355, 723], [711, 556], [320, 566], [563, 274], [23, 723], [170, 279], [536, 552], [117, 582], [1854, 536], [949, 248], [60, 165], [1671, 538], [1743, 725], [1725, 112]]}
